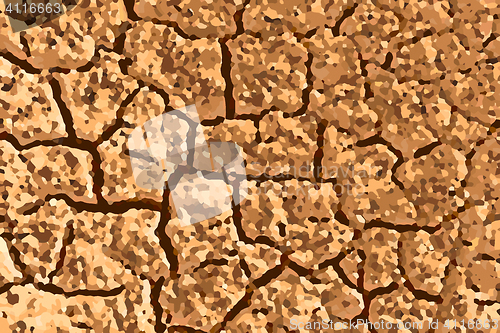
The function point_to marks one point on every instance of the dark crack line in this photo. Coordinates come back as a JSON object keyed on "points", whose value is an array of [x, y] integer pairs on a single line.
{"points": [[98, 178], [319, 154], [286, 177], [472, 153], [62, 254], [74, 142], [165, 241], [31, 208], [377, 139], [256, 121], [118, 207], [341, 217], [242, 236], [279, 178], [237, 217], [447, 271], [53, 289], [65, 112], [119, 43], [364, 73], [491, 38], [118, 122], [14, 253], [131, 14], [238, 19], [387, 63], [256, 117], [80, 144], [360, 283], [368, 91], [15, 143], [25, 44], [245, 267], [361, 274], [159, 91], [84, 326], [373, 140], [245, 301], [377, 223], [226, 74], [215, 262], [24, 64], [484, 256], [451, 11], [346, 13], [418, 294], [124, 64], [242, 304], [91, 64], [213, 122], [306, 92], [369, 297], [427, 149], [156, 287], [469, 203], [383, 290], [335, 264], [394, 168], [6, 287], [304, 272], [127, 266], [308, 34], [59, 69], [492, 60], [485, 302], [493, 127]]}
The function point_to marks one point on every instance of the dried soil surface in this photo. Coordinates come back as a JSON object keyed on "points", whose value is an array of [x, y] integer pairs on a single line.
{"points": [[370, 134]]}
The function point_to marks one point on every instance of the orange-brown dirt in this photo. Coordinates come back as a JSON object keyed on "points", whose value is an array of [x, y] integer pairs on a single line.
{"points": [[370, 134]]}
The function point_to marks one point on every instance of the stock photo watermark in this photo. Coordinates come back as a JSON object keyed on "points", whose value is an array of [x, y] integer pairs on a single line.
{"points": [[350, 180], [205, 178], [358, 324], [431, 324], [208, 178], [25, 14]]}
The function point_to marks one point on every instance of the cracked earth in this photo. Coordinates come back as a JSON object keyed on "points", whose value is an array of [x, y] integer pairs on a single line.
{"points": [[315, 92]]}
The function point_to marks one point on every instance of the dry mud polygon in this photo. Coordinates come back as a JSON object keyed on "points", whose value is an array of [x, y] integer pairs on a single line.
{"points": [[369, 131]]}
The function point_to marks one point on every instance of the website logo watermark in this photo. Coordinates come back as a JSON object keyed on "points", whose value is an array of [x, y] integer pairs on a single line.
{"points": [[205, 178]]}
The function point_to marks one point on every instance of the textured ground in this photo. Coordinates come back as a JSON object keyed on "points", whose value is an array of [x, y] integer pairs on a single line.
{"points": [[370, 133]]}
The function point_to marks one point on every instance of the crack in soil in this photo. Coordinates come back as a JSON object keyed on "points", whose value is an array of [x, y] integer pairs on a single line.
{"points": [[53, 289], [245, 301], [165, 241]]}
